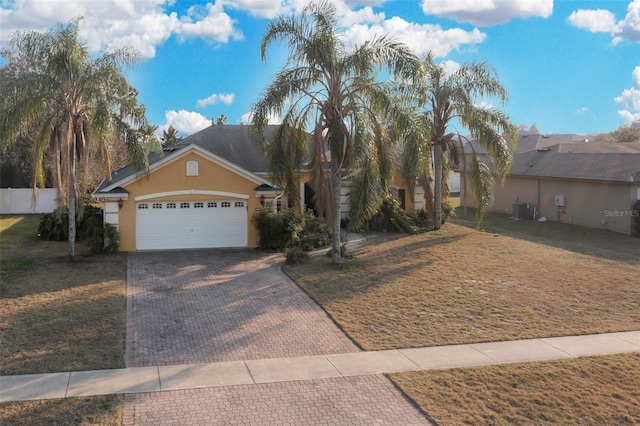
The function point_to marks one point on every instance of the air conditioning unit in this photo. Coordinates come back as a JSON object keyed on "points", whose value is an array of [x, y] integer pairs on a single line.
{"points": [[520, 211], [560, 201]]}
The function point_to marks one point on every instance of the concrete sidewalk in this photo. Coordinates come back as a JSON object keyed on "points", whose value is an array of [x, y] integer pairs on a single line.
{"points": [[275, 370]]}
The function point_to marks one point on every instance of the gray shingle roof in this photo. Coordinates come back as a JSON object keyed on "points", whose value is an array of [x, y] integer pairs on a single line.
{"points": [[233, 143], [551, 162]]}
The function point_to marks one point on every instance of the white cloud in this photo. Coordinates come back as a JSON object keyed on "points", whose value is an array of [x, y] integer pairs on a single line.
{"points": [[594, 20], [582, 111], [487, 12], [259, 8], [226, 99], [208, 21], [604, 21], [247, 117], [422, 39], [109, 24], [449, 67], [630, 98], [185, 122]]}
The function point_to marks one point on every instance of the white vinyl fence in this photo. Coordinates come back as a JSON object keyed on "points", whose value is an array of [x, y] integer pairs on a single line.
{"points": [[19, 200]]}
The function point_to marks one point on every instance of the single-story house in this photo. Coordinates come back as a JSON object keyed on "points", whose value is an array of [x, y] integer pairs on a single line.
{"points": [[570, 180], [203, 193]]}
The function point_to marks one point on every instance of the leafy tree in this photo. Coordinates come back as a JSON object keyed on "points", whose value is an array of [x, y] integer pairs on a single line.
{"points": [[626, 133], [450, 99], [77, 103], [170, 136], [332, 91]]}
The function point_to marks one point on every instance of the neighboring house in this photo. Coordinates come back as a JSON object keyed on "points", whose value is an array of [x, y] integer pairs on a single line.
{"points": [[203, 193], [570, 181]]}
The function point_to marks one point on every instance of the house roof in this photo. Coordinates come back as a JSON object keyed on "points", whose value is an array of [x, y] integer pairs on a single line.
{"points": [[571, 157], [233, 144], [559, 162]]}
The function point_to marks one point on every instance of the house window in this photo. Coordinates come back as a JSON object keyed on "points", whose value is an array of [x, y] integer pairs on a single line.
{"points": [[143, 206], [239, 204], [212, 204], [198, 205], [185, 205], [192, 168], [157, 205], [171, 205], [225, 204]]}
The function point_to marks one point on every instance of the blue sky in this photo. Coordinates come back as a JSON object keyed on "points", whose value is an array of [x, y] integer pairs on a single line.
{"points": [[569, 66]]}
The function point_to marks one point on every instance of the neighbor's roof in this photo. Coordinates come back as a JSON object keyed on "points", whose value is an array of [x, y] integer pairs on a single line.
{"points": [[564, 161]]}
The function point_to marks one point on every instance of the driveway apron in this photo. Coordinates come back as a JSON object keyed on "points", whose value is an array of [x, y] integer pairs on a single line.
{"points": [[204, 306]]}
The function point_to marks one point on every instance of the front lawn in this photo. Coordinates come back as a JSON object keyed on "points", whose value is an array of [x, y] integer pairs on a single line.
{"points": [[460, 285], [514, 280], [585, 391], [56, 315]]}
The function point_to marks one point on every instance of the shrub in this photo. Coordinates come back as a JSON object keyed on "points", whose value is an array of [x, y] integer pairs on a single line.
{"points": [[111, 239], [277, 231], [635, 210], [391, 218], [447, 211], [295, 256], [54, 226]]}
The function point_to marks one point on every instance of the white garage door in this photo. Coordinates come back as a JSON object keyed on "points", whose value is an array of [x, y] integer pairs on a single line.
{"points": [[191, 224]]}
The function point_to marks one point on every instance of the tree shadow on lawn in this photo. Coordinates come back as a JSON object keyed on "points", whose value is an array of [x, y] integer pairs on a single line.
{"points": [[578, 239]]}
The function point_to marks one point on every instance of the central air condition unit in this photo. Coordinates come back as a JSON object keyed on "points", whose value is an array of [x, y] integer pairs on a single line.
{"points": [[520, 211], [560, 201]]}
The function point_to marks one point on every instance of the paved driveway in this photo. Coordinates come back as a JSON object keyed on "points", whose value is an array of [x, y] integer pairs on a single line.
{"points": [[222, 305], [203, 306]]}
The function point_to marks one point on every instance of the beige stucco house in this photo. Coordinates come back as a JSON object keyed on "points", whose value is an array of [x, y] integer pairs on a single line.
{"points": [[203, 193], [569, 180]]}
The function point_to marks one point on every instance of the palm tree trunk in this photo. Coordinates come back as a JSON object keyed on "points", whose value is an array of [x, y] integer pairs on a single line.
{"points": [[336, 183], [71, 151], [437, 186]]}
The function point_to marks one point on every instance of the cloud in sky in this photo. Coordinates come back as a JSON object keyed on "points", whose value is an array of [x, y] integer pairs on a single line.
{"points": [[421, 38], [216, 98], [185, 122], [630, 98], [604, 21], [582, 111], [108, 24], [487, 12], [246, 118]]}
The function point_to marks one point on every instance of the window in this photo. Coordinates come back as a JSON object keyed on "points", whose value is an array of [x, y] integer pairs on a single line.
{"points": [[198, 205], [157, 205], [225, 204], [171, 205], [192, 168], [185, 205], [212, 204], [143, 206], [239, 204]]}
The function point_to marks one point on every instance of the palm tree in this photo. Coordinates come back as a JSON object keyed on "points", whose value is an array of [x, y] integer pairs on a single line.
{"points": [[170, 136], [50, 82], [448, 99], [332, 91]]}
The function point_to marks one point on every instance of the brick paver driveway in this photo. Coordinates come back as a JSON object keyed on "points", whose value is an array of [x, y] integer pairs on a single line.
{"points": [[221, 305]]}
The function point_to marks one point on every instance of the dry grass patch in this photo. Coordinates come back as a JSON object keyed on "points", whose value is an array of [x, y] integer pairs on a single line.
{"points": [[56, 315], [460, 285], [98, 410], [584, 391]]}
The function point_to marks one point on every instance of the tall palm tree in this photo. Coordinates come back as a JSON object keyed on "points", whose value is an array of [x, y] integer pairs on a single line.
{"points": [[50, 82], [449, 99], [333, 92]]}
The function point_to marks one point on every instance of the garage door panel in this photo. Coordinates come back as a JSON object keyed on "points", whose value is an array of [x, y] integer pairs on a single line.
{"points": [[183, 225]]}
